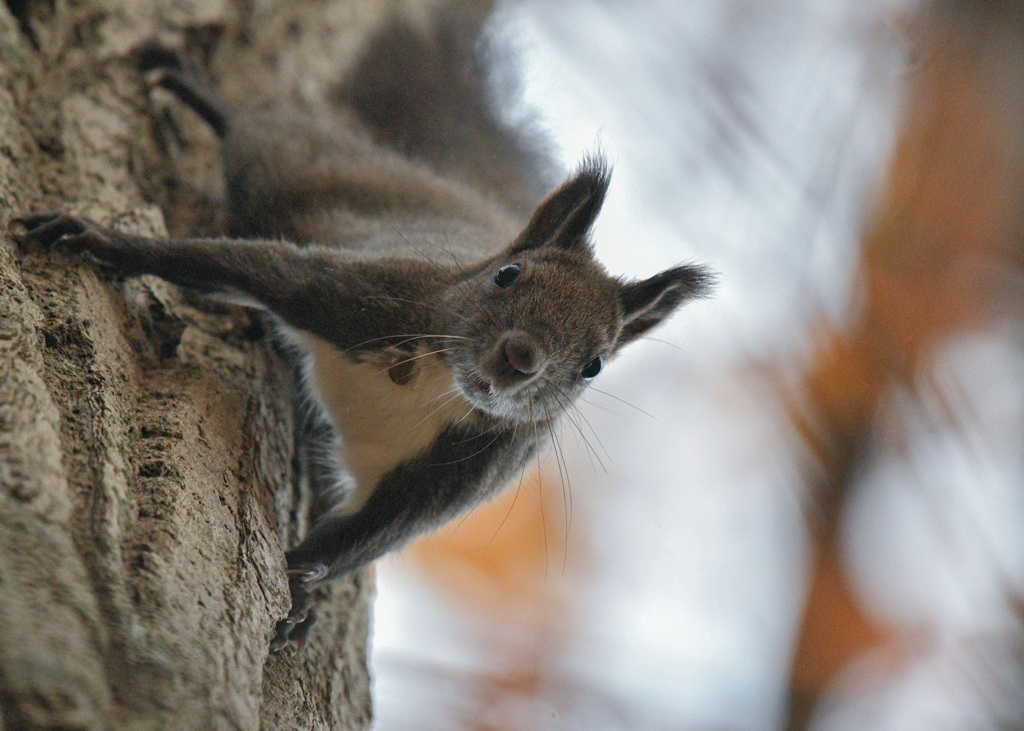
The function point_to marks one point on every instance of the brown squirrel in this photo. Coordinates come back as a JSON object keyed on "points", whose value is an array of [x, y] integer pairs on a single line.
{"points": [[436, 338]]}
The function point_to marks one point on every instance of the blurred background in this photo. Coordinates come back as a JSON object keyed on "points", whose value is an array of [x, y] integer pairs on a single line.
{"points": [[800, 505]]}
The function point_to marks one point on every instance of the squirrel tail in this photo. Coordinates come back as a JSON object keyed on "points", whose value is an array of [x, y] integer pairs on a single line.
{"points": [[427, 93]]}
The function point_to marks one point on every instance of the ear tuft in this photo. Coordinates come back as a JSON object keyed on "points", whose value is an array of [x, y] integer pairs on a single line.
{"points": [[647, 303], [565, 217]]}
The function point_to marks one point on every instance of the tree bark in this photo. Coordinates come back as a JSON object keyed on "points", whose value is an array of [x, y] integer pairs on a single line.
{"points": [[146, 483]]}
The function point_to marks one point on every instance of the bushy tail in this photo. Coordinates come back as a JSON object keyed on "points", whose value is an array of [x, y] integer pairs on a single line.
{"points": [[426, 94]]}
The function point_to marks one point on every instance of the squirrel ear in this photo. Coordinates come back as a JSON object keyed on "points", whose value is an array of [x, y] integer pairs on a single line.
{"points": [[647, 303], [565, 217]]}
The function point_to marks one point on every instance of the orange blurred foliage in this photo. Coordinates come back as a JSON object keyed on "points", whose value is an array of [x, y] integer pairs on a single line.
{"points": [[498, 556], [952, 202]]}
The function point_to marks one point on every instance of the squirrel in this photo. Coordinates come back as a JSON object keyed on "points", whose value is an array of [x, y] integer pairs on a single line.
{"points": [[436, 337]]}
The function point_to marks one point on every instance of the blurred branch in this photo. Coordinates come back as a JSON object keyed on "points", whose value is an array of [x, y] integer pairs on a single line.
{"points": [[952, 200]]}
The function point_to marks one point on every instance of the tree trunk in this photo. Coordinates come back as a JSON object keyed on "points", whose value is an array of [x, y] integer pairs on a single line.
{"points": [[146, 483]]}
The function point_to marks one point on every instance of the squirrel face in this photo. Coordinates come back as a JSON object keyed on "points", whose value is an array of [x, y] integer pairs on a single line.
{"points": [[532, 325], [536, 326]]}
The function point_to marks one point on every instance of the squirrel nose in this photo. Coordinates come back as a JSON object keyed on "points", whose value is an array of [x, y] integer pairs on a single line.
{"points": [[515, 358], [523, 353]]}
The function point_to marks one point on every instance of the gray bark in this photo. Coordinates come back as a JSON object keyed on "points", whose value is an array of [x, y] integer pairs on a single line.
{"points": [[146, 489]]}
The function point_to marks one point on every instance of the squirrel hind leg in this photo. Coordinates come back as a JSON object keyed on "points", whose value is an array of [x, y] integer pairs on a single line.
{"points": [[171, 69], [316, 441]]}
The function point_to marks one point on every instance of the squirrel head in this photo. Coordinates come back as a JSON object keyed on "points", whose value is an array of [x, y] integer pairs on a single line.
{"points": [[538, 321]]}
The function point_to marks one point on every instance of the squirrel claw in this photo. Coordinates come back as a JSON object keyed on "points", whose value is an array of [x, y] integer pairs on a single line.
{"points": [[308, 572], [292, 632], [27, 224]]}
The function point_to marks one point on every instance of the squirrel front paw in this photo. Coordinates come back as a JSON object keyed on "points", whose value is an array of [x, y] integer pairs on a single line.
{"points": [[292, 632], [66, 234]]}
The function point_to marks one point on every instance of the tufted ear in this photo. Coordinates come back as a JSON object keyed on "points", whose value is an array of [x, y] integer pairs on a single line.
{"points": [[646, 303], [565, 217]]}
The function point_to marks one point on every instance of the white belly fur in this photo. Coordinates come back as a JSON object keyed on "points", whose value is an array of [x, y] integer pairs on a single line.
{"points": [[382, 423]]}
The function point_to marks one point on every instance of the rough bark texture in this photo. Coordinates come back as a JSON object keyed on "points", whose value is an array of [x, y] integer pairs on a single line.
{"points": [[146, 487]]}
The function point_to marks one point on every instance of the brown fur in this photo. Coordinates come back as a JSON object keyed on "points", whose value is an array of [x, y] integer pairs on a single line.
{"points": [[437, 338]]}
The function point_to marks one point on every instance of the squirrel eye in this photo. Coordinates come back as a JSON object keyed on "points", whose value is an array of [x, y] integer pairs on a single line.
{"points": [[591, 369], [507, 275]]}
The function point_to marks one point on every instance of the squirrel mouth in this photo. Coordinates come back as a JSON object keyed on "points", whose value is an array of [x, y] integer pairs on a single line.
{"points": [[481, 385]]}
